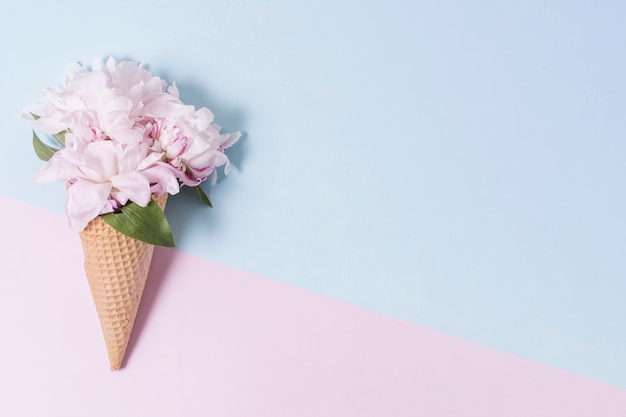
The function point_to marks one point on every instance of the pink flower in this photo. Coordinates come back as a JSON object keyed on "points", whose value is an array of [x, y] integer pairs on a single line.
{"points": [[192, 144], [111, 101], [127, 136], [105, 175]]}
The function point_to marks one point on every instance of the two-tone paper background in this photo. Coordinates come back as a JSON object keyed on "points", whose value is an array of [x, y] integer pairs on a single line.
{"points": [[426, 214]]}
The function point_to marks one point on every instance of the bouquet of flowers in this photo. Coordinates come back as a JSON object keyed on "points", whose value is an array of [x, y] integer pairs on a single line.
{"points": [[122, 141]]}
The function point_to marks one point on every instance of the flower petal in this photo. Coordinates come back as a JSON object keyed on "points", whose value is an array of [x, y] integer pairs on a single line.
{"points": [[85, 200], [163, 179], [59, 167], [133, 186]]}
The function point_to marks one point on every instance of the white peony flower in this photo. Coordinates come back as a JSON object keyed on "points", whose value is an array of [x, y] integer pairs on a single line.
{"points": [[127, 136]]}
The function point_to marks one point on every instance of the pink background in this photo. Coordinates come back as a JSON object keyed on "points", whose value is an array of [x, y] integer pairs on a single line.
{"points": [[212, 340]]}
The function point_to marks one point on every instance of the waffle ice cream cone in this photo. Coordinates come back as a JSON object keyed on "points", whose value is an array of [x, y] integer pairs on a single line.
{"points": [[117, 268]]}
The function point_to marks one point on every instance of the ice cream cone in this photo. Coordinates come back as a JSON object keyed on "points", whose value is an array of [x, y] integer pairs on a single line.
{"points": [[117, 268]]}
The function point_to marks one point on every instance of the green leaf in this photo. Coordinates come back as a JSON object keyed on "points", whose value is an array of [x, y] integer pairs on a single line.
{"points": [[43, 151], [35, 116], [203, 197], [147, 224], [60, 137]]}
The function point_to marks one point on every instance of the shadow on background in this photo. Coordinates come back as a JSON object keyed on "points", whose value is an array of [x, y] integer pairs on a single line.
{"points": [[229, 118], [184, 211], [159, 270]]}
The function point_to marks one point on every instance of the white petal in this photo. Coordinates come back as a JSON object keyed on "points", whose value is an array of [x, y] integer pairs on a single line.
{"points": [[85, 200], [101, 163], [59, 168], [231, 139], [163, 178], [204, 118], [134, 186]]}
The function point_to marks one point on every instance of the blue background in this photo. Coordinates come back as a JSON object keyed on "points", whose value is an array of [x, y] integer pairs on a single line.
{"points": [[455, 164]]}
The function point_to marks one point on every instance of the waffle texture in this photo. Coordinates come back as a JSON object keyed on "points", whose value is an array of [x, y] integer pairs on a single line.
{"points": [[117, 268]]}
